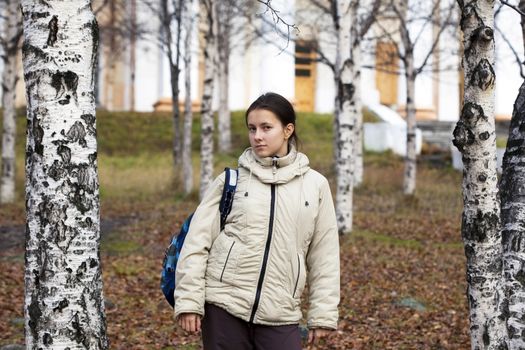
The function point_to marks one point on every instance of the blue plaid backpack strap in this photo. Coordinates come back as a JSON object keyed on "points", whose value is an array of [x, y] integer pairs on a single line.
{"points": [[230, 185]]}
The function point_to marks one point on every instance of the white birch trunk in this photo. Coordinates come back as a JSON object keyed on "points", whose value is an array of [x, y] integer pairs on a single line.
{"points": [[475, 138], [337, 83], [187, 166], [513, 225], [224, 124], [210, 62], [345, 125], [356, 96], [64, 307], [13, 28], [409, 181], [174, 75]]}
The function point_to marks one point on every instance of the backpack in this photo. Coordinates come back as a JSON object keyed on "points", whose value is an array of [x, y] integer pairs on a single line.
{"points": [[169, 265]]}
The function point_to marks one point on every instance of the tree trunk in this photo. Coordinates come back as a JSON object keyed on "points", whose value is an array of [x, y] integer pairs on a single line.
{"points": [[187, 167], [346, 123], [210, 62], [224, 26], [12, 34], [64, 305], [174, 79], [521, 6], [355, 101], [475, 138], [409, 183], [513, 224]]}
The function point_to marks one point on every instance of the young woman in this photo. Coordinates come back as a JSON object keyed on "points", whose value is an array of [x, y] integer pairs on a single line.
{"points": [[246, 281]]}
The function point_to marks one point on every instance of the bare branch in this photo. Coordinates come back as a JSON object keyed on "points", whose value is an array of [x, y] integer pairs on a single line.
{"points": [[442, 28], [514, 7], [278, 19], [509, 44]]}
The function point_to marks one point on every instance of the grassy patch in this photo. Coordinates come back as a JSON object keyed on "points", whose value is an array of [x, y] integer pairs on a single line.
{"points": [[116, 246]]}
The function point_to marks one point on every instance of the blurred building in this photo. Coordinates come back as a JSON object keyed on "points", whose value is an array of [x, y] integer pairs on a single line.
{"points": [[134, 73]]}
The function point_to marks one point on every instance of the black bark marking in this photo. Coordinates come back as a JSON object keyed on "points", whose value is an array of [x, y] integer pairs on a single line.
{"points": [[483, 75], [520, 277], [484, 136], [472, 113], [77, 133], [65, 84], [61, 305], [38, 135], [53, 31], [486, 338], [65, 153], [346, 92], [90, 121], [482, 177], [483, 34], [476, 228], [37, 15], [34, 316], [92, 158], [463, 136], [78, 332], [47, 339], [57, 171]]}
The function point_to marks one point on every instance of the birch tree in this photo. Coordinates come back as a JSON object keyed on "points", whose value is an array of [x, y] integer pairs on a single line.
{"points": [[345, 121], [187, 167], [513, 225], [513, 210], [10, 44], [225, 16], [349, 30], [171, 19], [210, 62], [475, 138], [64, 306], [407, 14]]}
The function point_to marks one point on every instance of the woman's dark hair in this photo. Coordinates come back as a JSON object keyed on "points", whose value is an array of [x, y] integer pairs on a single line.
{"points": [[279, 106]]}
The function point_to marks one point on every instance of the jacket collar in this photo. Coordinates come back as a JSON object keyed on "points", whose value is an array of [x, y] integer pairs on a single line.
{"points": [[273, 169]]}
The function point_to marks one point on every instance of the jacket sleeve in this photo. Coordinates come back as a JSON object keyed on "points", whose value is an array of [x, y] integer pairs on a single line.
{"points": [[191, 266], [323, 265]]}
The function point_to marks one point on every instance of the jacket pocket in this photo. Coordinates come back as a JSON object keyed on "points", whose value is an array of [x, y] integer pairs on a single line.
{"points": [[226, 261], [299, 277]]}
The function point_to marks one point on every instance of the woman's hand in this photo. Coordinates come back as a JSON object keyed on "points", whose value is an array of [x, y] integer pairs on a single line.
{"points": [[314, 335], [190, 322]]}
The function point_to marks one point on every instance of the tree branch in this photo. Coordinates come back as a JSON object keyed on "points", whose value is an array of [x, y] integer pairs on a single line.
{"points": [[514, 7], [516, 55]]}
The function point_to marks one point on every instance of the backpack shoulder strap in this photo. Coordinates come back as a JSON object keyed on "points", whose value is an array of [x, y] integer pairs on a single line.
{"points": [[230, 185]]}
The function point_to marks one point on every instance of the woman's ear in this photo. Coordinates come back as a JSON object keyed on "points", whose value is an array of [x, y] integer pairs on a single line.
{"points": [[288, 130]]}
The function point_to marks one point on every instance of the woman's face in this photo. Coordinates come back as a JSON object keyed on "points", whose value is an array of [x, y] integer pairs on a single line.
{"points": [[268, 136]]}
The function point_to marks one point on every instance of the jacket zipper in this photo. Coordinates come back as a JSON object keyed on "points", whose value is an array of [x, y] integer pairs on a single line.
{"points": [[227, 258], [265, 258], [298, 274]]}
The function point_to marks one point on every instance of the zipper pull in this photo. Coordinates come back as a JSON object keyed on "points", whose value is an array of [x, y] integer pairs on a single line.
{"points": [[274, 164]]}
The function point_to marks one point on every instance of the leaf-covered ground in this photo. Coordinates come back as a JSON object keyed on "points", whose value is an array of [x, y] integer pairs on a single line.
{"points": [[402, 268]]}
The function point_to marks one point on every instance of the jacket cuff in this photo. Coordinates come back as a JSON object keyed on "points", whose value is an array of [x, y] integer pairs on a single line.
{"points": [[324, 325], [177, 313]]}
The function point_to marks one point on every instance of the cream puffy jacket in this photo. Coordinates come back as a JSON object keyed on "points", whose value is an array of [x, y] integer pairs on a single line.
{"points": [[281, 234]]}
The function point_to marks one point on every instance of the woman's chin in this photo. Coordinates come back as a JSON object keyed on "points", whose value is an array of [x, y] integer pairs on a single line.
{"points": [[261, 152]]}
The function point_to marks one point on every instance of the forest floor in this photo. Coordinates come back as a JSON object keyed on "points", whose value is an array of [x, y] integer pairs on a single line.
{"points": [[403, 266]]}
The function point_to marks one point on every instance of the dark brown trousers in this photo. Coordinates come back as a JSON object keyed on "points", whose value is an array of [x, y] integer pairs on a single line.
{"points": [[222, 331]]}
